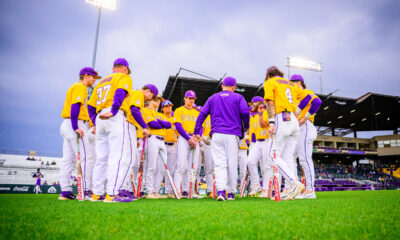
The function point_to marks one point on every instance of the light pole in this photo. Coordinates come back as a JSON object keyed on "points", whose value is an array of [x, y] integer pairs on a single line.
{"points": [[305, 65], [106, 4]]}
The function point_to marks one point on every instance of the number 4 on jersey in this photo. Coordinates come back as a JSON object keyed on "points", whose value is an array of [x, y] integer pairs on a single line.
{"points": [[289, 95], [100, 91]]}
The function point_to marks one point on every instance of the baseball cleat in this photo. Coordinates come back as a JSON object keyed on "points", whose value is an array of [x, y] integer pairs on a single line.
{"points": [[88, 195], [116, 198], [197, 196], [170, 195], [308, 195], [221, 196], [254, 191], [231, 196], [295, 189], [97, 198], [210, 195], [264, 194], [152, 196], [184, 195], [131, 196], [66, 196]]}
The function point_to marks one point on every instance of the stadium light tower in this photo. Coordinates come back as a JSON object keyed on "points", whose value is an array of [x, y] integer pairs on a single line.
{"points": [[304, 64], [107, 4]]}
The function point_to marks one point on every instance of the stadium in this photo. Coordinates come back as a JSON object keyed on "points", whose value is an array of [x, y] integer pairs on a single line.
{"points": [[49, 188]]}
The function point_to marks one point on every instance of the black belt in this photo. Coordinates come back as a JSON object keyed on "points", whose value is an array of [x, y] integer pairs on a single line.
{"points": [[169, 143], [261, 140], [190, 134], [158, 137]]}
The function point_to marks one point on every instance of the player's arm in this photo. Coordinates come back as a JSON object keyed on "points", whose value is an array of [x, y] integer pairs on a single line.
{"points": [[123, 88], [78, 98], [303, 104], [164, 124], [269, 97], [244, 113], [263, 117], [315, 105], [200, 120]]}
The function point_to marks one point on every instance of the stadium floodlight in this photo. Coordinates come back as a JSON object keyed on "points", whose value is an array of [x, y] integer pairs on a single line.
{"points": [[106, 4], [304, 64]]}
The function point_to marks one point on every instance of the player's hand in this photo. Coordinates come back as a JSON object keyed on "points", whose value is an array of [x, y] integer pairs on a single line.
{"points": [[105, 116], [302, 121], [271, 129], [261, 108], [193, 143], [197, 137], [79, 132], [94, 129], [146, 132], [206, 140]]}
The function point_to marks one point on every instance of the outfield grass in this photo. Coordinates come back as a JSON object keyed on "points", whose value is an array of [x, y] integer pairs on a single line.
{"points": [[334, 215]]}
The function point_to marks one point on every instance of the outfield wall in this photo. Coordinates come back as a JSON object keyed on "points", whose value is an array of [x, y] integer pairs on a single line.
{"points": [[26, 188]]}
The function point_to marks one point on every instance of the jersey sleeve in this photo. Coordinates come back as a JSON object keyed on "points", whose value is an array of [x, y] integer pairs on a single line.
{"points": [[269, 88], [148, 115], [79, 94], [178, 116], [125, 83], [301, 93], [135, 99]]}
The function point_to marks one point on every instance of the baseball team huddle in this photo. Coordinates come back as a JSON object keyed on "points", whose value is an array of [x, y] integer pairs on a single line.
{"points": [[126, 149]]}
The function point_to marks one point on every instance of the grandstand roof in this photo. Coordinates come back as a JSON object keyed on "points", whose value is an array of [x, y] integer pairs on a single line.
{"points": [[370, 112]]}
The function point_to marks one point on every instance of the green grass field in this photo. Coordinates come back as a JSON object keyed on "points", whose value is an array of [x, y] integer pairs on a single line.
{"points": [[333, 215]]}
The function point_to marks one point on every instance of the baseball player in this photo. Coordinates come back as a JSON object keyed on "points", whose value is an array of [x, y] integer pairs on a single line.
{"points": [[257, 154], [75, 115], [306, 111], [229, 112], [135, 120], [108, 108], [185, 119], [37, 185], [156, 148], [282, 96], [171, 137]]}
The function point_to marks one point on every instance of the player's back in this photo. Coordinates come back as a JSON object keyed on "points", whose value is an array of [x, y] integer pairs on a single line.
{"points": [[103, 93], [285, 94]]}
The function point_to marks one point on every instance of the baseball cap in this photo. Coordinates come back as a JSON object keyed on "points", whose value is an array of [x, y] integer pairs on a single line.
{"points": [[166, 103], [229, 82], [296, 77], [153, 89], [190, 94], [123, 62], [270, 69], [257, 99], [89, 71]]}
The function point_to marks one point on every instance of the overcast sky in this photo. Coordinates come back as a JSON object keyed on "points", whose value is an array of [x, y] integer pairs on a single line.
{"points": [[44, 43]]}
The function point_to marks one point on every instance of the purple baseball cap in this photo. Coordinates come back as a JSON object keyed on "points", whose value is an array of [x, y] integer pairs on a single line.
{"points": [[190, 94], [229, 82], [166, 103], [123, 62], [153, 89], [296, 77], [257, 99], [89, 71]]}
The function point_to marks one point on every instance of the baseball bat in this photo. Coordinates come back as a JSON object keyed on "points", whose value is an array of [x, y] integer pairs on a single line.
{"points": [[214, 186], [243, 187], [191, 177], [140, 174], [81, 194], [171, 181], [276, 183]]}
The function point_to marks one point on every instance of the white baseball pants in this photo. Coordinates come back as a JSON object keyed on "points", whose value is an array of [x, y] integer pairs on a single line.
{"points": [[155, 167], [70, 150], [304, 150], [242, 159], [225, 149], [261, 154], [171, 164], [91, 158], [113, 153]]}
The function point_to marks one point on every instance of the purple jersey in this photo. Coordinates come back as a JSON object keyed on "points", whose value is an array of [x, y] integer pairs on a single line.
{"points": [[38, 180]]}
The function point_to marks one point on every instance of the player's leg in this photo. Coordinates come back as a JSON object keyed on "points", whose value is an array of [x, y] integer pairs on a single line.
{"points": [[308, 134], [193, 155], [91, 159], [100, 167], [182, 165], [208, 167], [132, 146], [242, 164], [266, 166], [253, 160], [67, 161], [220, 164], [171, 164], [160, 172], [152, 159], [232, 151]]}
